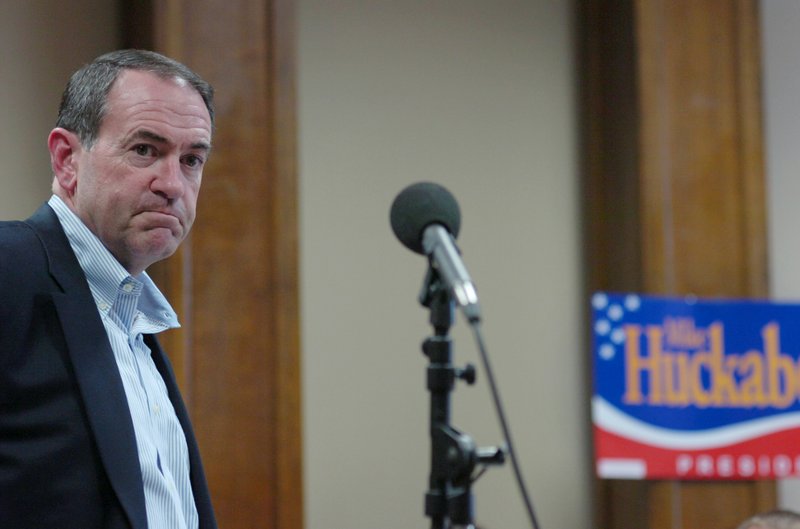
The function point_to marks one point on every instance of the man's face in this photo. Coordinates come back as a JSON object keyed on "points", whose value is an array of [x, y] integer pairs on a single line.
{"points": [[137, 186]]}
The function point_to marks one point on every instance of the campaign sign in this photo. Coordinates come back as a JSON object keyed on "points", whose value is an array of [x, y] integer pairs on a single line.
{"points": [[687, 388]]}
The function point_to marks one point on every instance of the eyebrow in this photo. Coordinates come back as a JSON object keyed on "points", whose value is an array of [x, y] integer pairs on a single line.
{"points": [[144, 134]]}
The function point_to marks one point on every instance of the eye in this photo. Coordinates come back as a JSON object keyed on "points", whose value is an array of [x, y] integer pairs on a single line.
{"points": [[143, 149], [193, 161]]}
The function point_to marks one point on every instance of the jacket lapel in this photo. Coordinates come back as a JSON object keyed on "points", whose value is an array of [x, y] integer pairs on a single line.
{"points": [[96, 371]]}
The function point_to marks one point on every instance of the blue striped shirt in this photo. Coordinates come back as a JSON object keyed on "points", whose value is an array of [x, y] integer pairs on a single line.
{"points": [[130, 307]]}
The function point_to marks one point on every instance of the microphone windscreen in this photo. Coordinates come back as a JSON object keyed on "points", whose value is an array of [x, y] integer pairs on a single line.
{"points": [[417, 207]]}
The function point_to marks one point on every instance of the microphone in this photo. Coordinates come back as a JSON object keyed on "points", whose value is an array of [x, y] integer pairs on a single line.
{"points": [[425, 217]]}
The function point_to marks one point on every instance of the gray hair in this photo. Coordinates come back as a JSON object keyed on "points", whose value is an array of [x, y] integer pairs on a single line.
{"points": [[778, 519], [84, 101]]}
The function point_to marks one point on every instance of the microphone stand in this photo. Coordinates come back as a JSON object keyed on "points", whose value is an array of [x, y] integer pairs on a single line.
{"points": [[453, 454]]}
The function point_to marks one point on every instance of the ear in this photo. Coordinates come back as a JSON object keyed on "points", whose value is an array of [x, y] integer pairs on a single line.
{"points": [[65, 148]]}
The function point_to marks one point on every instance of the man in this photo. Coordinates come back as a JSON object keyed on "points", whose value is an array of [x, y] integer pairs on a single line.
{"points": [[93, 431], [779, 519]]}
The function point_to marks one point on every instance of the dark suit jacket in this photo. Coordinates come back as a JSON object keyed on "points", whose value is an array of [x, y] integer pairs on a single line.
{"points": [[68, 456]]}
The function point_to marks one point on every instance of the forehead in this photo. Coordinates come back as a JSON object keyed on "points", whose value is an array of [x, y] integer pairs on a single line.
{"points": [[140, 99]]}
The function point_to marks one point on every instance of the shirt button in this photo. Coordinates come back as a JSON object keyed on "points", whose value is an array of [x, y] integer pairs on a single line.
{"points": [[127, 287], [156, 409]]}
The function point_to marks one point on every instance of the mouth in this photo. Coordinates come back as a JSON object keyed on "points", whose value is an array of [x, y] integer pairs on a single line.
{"points": [[160, 219]]}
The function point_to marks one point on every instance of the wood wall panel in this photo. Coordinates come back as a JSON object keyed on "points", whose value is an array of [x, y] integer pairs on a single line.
{"points": [[674, 194], [234, 282], [700, 195]]}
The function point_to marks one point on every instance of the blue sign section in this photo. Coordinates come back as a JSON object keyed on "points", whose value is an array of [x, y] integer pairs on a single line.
{"points": [[690, 364]]}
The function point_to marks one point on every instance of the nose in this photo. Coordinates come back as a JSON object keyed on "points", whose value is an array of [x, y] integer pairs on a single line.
{"points": [[168, 179]]}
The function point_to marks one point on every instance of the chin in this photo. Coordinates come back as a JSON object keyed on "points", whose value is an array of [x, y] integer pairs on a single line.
{"points": [[158, 250]]}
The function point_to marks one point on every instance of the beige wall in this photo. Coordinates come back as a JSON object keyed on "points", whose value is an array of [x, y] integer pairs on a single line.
{"points": [[41, 42], [480, 97], [781, 86]]}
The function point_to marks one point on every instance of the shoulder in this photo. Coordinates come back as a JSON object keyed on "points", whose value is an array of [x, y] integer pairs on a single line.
{"points": [[37, 239], [23, 256], [23, 274], [14, 233], [18, 240]]}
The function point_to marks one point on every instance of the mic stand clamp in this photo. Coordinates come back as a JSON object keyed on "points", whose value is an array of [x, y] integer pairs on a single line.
{"points": [[453, 454]]}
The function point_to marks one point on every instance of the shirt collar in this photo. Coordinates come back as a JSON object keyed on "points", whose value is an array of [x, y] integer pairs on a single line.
{"points": [[105, 274]]}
